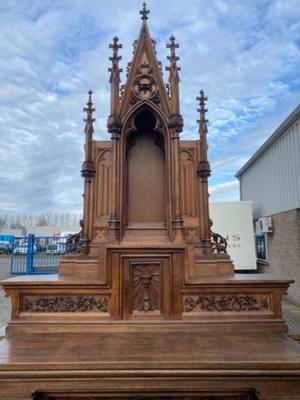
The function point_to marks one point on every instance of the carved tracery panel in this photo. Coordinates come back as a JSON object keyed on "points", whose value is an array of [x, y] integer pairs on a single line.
{"points": [[103, 191], [187, 183]]}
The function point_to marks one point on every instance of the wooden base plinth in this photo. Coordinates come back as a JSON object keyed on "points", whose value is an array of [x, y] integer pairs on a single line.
{"points": [[78, 304], [155, 365], [223, 338]]}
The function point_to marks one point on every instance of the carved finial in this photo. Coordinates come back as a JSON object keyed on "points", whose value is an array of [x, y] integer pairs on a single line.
{"points": [[134, 44], [89, 112], [144, 12], [88, 169], [115, 57], [202, 110], [172, 57]]}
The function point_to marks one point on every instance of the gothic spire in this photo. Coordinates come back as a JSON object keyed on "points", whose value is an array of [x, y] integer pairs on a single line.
{"points": [[89, 120], [173, 75], [144, 74], [172, 57], [115, 75], [88, 172], [115, 46], [202, 110], [202, 125], [144, 12]]}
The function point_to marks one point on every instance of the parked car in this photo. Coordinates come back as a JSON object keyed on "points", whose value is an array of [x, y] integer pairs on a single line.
{"points": [[4, 248], [57, 249], [20, 249]]}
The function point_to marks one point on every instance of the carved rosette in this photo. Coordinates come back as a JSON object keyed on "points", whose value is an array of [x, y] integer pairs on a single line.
{"points": [[144, 87], [52, 304], [227, 302]]}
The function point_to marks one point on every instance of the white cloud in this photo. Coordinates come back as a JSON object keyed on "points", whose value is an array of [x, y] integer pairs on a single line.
{"points": [[227, 191], [244, 54]]}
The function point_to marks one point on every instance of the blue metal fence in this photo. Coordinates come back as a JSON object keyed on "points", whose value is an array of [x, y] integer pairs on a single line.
{"points": [[36, 254]]}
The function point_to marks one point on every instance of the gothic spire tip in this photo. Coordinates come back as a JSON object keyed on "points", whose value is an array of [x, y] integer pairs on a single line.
{"points": [[172, 57], [144, 12], [202, 110], [89, 109]]}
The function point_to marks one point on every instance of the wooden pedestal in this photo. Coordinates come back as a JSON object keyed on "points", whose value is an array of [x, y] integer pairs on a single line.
{"points": [[70, 339]]}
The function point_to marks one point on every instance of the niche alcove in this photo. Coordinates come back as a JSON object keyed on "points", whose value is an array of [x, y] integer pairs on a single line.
{"points": [[145, 159]]}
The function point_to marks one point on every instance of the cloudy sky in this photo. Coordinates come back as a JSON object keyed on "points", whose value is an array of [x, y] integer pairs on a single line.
{"points": [[244, 53]]}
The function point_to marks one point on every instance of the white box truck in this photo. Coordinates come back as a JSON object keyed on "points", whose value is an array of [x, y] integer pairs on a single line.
{"points": [[234, 221]]}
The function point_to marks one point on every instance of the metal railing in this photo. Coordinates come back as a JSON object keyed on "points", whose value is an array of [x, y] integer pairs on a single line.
{"points": [[37, 255]]}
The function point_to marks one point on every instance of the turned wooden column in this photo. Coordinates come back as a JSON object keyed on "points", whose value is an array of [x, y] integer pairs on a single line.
{"points": [[203, 171], [114, 219], [177, 221], [114, 127], [175, 126], [88, 173]]}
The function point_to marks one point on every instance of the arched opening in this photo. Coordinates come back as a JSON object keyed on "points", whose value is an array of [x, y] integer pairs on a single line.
{"points": [[145, 155]]}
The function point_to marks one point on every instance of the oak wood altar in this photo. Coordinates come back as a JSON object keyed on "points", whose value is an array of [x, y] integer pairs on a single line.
{"points": [[146, 303]]}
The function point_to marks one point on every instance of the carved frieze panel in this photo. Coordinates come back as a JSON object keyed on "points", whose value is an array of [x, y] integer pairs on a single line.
{"points": [[233, 302], [57, 304]]}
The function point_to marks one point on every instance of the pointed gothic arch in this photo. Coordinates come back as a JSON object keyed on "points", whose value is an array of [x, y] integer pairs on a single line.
{"points": [[145, 160]]}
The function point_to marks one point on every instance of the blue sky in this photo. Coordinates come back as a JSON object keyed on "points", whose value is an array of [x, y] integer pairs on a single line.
{"points": [[244, 54]]}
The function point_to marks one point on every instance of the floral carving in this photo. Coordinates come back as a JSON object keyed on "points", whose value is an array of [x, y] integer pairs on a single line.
{"points": [[65, 304], [146, 287], [227, 302]]}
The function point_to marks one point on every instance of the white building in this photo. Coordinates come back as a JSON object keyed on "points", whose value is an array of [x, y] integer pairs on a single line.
{"points": [[271, 179]]}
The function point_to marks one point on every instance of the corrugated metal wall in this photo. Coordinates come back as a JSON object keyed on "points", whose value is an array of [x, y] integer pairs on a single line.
{"points": [[272, 182]]}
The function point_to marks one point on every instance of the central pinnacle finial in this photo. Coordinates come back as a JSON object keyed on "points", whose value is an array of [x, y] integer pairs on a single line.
{"points": [[144, 12]]}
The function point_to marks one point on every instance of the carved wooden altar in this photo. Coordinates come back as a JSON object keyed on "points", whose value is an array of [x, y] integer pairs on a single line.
{"points": [[146, 302]]}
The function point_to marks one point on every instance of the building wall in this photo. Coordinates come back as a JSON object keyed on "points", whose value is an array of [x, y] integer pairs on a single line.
{"points": [[272, 182], [283, 248]]}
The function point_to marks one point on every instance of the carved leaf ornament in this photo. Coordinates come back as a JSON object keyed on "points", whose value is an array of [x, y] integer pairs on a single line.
{"points": [[65, 304], [226, 303]]}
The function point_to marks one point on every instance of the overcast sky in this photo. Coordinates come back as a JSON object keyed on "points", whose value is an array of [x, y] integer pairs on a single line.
{"points": [[243, 53]]}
